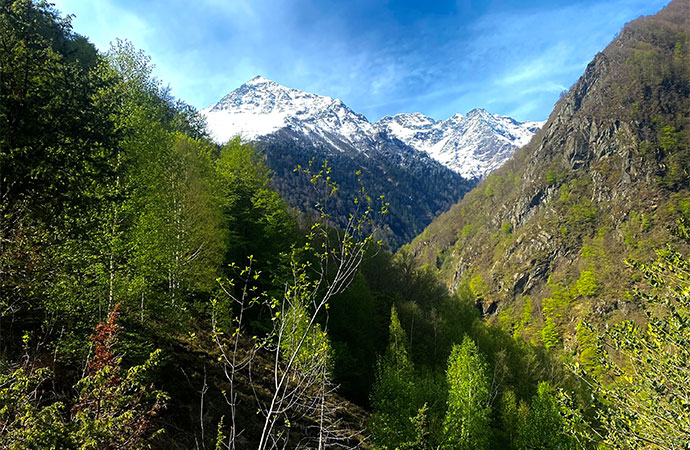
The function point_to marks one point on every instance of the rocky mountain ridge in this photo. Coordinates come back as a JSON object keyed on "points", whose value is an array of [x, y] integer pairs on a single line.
{"points": [[547, 233], [472, 145]]}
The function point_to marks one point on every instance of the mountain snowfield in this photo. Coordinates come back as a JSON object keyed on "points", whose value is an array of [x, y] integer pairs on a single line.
{"points": [[472, 145]]}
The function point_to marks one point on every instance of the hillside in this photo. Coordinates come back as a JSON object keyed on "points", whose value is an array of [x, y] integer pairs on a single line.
{"points": [[156, 291], [542, 241]]}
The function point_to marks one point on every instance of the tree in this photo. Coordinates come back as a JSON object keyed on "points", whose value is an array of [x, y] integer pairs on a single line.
{"points": [[259, 221], [296, 344], [113, 410], [545, 426], [393, 393], [643, 391], [57, 144], [509, 418], [421, 427], [468, 416]]}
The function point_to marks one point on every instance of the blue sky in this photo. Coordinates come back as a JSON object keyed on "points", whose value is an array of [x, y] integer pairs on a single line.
{"points": [[380, 57]]}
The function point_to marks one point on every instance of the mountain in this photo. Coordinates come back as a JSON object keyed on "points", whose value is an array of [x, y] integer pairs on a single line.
{"points": [[542, 241], [261, 107], [473, 145], [421, 173]]}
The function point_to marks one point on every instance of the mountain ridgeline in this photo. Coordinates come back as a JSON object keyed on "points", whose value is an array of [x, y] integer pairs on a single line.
{"points": [[422, 166], [542, 241], [157, 292]]}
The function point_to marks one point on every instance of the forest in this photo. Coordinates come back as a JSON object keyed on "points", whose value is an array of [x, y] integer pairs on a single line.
{"points": [[157, 292]]}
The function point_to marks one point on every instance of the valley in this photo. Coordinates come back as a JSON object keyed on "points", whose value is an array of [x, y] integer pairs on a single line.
{"points": [[276, 271]]}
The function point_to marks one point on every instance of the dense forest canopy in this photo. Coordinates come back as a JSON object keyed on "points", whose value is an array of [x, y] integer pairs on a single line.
{"points": [[157, 292]]}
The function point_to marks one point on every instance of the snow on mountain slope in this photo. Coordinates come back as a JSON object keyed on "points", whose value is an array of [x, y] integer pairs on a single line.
{"points": [[261, 107], [472, 145]]}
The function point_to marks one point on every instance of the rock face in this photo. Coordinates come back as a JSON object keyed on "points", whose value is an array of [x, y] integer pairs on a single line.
{"points": [[419, 178], [600, 182]]}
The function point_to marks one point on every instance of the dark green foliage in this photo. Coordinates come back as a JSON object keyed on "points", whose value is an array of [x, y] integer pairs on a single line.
{"points": [[258, 220], [354, 330], [416, 190]]}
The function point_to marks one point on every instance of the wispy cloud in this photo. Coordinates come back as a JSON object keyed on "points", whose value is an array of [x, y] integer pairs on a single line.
{"points": [[380, 58]]}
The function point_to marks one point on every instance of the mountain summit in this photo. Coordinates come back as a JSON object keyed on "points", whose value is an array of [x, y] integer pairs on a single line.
{"points": [[260, 107], [472, 145]]}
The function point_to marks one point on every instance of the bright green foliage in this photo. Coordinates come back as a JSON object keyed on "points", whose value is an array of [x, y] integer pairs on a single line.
{"points": [[479, 287], [112, 409], [509, 418], [554, 177], [393, 393], [544, 427], [549, 334], [468, 416], [525, 317], [421, 427], [24, 422], [587, 284], [557, 306], [312, 355], [589, 349], [180, 232], [646, 403]]}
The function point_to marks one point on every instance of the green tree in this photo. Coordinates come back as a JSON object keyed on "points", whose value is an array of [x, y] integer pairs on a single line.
{"points": [[643, 390], [422, 430], [467, 423], [58, 170], [509, 418], [393, 393], [545, 426], [259, 221], [113, 408]]}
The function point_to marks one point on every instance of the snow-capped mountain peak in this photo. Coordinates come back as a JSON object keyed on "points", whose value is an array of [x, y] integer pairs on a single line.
{"points": [[261, 106], [472, 145]]}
